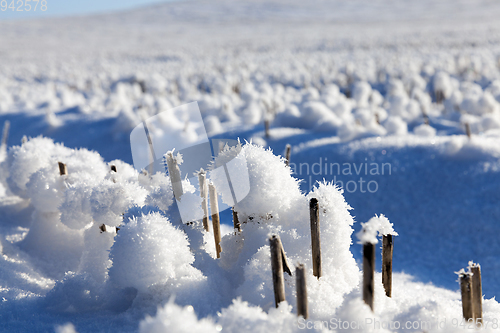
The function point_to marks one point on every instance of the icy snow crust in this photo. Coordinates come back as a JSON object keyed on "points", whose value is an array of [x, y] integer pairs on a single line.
{"points": [[396, 89]]}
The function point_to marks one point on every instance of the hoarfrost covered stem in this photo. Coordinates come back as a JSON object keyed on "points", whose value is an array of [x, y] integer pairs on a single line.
{"points": [[174, 172]]}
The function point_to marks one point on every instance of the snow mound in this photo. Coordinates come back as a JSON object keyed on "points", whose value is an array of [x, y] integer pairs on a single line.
{"points": [[149, 250]]}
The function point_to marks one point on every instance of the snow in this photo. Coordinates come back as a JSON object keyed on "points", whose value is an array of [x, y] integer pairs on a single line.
{"points": [[376, 226], [148, 250], [396, 126], [368, 232], [354, 87], [172, 318], [386, 227]]}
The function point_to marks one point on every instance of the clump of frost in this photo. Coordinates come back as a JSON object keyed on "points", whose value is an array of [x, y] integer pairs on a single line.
{"points": [[473, 265], [212, 125], [290, 117], [454, 144], [240, 316], [43, 154], [357, 312], [275, 205], [316, 115], [452, 104], [477, 102], [34, 174], [368, 233], [463, 273], [124, 172], [339, 264], [269, 179], [361, 93], [490, 122], [190, 205], [487, 104], [109, 201], [386, 227], [149, 250], [75, 207], [173, 318], [425, 130], [443, 84], [395, 126], [340, 271], [234, 160], [72, 227], [253, 113], [160, 192], [46, 189], [376, 226], [102, 198], [95, 261]]}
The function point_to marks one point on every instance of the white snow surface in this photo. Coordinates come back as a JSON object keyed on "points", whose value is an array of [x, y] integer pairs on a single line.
{"points": [[353, 86]]}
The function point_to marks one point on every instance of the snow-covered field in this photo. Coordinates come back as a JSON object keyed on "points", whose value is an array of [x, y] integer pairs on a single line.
{"points": [[372, 96]]}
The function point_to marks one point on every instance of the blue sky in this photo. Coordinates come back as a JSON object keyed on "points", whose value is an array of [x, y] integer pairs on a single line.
{"points": [[67, 7]]}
